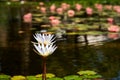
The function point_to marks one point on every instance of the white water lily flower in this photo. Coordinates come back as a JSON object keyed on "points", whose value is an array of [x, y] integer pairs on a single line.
{"points": [[44, 38], [8, 3], [22, 2], [44, 50], [45, 44]]}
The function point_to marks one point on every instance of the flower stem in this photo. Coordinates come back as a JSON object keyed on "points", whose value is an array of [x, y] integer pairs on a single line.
{"points": [[44, 68]]}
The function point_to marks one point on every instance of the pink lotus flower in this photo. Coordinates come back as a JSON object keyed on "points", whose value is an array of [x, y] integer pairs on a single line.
{"points": [[52, 8], [59, 10], [108, 7], [116, 8], [41, 3], [78, 7], [64, 6], [43, 9], [55, 22], [110, 20], [89, 11], [114, 28], [27, 18], [113, 35], [71, 13], [99, 7], [52, 18]]}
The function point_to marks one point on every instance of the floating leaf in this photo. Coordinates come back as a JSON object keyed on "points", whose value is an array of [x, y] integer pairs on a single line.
{"points": [[4, 77], [19, 77], [37, 15], [31, 77], [72, 77], [94, 32], [55, 78], [38, 19], [87, 72], [48, 75]]}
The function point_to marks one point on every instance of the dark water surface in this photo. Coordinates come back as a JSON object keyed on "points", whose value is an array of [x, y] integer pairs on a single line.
{"points": [[17, 55]]}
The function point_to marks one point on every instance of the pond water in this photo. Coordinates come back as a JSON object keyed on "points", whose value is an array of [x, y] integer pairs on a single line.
{"points": [[17, 55]]}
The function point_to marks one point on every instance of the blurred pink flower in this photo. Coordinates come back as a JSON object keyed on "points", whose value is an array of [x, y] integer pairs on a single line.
{"points": [[71, 13], [41, 3], [52, 8], [113, 35], [113, 28], [110, 20], [99, 7], [55, 22], [89, 11], [116, 8], [108, 7], [64, 6], [78, 7], [52, 18], [43, 9], [59, 10], [27, 18]]}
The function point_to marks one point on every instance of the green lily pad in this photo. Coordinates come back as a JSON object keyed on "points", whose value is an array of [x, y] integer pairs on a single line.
{"points": [[18, 77], [94, 32], [31, 77], [72, 77], [37, 15], [87, 72], [48, 75], [71, 33], [38, 19], [55, 78], [4, 77], [91, 76]]}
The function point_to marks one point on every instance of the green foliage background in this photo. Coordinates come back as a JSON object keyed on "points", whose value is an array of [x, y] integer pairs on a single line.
{"points": [[86, 2]]}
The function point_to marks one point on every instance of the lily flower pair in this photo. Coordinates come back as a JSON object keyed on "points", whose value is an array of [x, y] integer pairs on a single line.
{"points": [[45, 44]]}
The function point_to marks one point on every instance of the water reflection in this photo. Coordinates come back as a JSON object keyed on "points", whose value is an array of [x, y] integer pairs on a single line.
{"points": [[104, 58], [17, 56], [113, 36]]}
